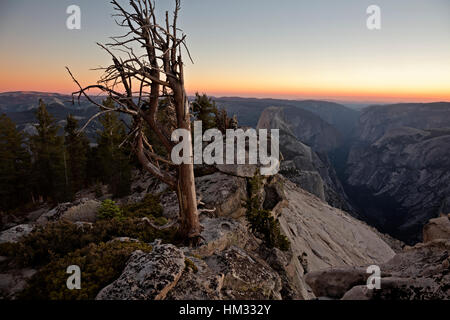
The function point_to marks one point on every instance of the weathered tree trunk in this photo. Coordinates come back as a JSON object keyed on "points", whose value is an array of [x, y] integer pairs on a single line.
{"points": [[189, 221], [187, 198]]}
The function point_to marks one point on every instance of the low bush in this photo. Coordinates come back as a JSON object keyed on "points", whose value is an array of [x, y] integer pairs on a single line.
{"points": [[45, 244], [190, 265], [109, 210], [100, 265], [131, 227], [58, 239], [149, 207]]}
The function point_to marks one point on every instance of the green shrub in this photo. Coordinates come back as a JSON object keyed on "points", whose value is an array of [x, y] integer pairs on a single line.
{"points": [[189, 264], [100, 265], [98, 190], [261, 221], [45, 244], [161, 221], [131, 227], [109, 210], [149, 207], [58, 239]]}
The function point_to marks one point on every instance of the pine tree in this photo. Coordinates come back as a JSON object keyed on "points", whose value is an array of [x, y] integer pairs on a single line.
{"points": [[223, 122], [48, 158], [14, 166], [113, 157], [205, 110], [76, 151]]}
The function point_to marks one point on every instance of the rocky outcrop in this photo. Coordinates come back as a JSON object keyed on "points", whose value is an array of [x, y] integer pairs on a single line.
{"points": [[416, 273], [228, 275], [12, 283], [198, 282], [232, 263], [80, 211], [438, 228], [15, 233], [398, 167], [419, 273], [242, 170], [322, 236], [301, 164], [222, 192], [84, 210], [12, 219], [335, 282], [328, 236], [226, 266], [309, 180], [147, 276], [394, 288], [247, 277], [220, 234]]}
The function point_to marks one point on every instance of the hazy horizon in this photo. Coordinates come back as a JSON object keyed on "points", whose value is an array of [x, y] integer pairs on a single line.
{"points": [[357, 104], [295, 50]]}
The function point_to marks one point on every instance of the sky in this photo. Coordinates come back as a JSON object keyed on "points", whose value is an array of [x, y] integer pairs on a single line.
{"points": [[295, 49]]}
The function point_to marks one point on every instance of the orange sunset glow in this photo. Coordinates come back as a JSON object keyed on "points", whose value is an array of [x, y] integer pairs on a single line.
{"points": [[333, 55]]}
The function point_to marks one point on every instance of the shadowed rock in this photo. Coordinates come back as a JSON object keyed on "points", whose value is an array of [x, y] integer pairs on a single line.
{"points": [[14, 234], [438, 228], [417, 273], [147, 276]]}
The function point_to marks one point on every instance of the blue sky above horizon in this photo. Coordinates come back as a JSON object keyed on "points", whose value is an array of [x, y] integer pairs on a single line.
{"points": [[260, 48]]}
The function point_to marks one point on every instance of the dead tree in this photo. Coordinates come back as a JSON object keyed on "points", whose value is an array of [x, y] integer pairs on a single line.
{"points": [[147, 66]]}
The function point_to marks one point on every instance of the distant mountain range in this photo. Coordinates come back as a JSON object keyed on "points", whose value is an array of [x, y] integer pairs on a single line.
{"points": [[20, 101], [21, 105]]}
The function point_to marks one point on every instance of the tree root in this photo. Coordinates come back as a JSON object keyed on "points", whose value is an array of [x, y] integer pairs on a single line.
{"points": [[161, 228]]}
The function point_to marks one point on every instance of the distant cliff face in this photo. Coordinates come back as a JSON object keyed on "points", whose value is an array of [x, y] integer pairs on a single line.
{"points": [[340, 117], [399, 167], [249, 110], [375, 121], [304, 125], [301, 164]]}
